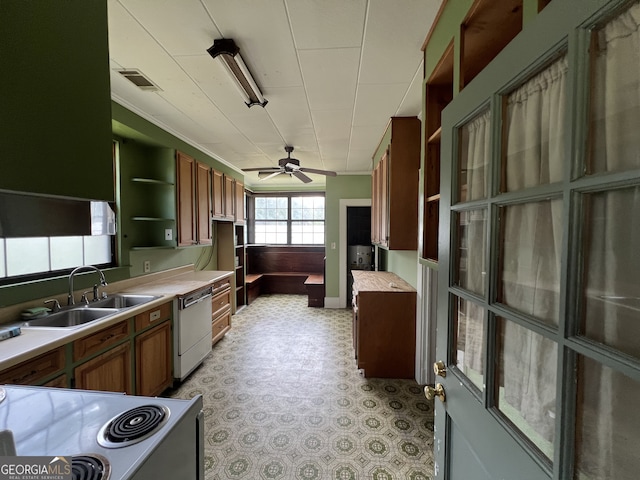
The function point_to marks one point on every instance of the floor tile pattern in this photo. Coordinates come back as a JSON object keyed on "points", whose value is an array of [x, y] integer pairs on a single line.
{"points": [[284, 400]]}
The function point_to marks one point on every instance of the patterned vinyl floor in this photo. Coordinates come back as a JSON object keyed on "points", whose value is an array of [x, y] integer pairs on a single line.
{"points": [[284, 400]]}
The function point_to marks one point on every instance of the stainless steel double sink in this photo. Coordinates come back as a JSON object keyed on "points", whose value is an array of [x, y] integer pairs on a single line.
{"points": [[78, 315]]}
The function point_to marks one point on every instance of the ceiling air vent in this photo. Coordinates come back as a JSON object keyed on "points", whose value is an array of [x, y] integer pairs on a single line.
{"points": [[138, 79]]}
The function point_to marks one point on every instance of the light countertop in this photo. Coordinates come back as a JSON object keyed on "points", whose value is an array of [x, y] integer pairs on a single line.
{"points": [[166, 285]]}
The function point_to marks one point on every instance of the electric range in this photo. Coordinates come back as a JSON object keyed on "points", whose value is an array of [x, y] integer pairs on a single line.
{"points": [[109, 436]]}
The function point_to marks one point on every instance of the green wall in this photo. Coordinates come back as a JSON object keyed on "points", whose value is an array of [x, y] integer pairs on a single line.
{"points": [[338, 188], [55, 98]]}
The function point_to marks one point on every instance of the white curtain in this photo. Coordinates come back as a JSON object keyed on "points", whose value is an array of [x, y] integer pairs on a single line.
{"points": [[609, 422], [475, 151], [532, 245]]}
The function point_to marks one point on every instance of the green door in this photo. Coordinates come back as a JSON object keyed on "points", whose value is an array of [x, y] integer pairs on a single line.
{"points": [[539, 277]]}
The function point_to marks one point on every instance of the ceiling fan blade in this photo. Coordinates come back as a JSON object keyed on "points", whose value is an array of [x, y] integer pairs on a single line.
{"points": [[270, 175], [319, 172], [260, 169], [301, 176]]}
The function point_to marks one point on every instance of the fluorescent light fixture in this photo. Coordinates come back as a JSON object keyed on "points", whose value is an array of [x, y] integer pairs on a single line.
{"points": [[226, 50]]}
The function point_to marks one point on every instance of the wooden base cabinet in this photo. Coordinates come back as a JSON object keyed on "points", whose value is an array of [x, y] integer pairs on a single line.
{"points": [[384, 324], [35, 370], [220, 309], [110, 372], [153, 360]]}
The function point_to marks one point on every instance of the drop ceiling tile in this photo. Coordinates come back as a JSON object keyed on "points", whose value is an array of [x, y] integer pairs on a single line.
{"points": [[359, 164], [332, 124], [367, 138], [182, 28], [261, 30], [327, 23], [289, 110], [375, 103], [390, 24], [211, 78], [412, 103], [330, 77]]}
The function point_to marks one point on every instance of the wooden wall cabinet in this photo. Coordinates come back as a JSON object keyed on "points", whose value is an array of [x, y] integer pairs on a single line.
{"points": [[217, 189], [194, 201], [485, 30], [384, 324], [229, 198], [203, 203], [239, 206], [394, 186]]}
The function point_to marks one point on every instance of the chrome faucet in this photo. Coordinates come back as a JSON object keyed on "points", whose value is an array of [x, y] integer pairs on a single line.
{"points": [[103, 282]]}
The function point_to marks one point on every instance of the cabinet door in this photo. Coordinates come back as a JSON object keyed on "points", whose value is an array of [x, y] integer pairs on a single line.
{"points": [[229, 197], [384, 199], [239, 202], [110, 372], [203, 190], [217, 190], [375, 205], [153, 360], [186, 200]]}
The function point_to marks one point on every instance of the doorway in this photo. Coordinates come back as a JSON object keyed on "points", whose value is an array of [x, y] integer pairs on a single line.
{"points": [[359, 248]]}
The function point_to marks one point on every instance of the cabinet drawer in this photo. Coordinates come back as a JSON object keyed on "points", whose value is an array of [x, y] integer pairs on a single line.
{"points": [[155, 315], [220, 326], [32, 371], [58, 382], [221, 285], [219, 303], [94, 343]]}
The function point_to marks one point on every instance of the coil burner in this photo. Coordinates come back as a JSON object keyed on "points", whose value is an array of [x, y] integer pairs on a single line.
{"points": [[90, 467], [133, 426]]}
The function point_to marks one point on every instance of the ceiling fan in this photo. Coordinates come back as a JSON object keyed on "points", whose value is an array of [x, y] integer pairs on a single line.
{"points": [[289, 166]]}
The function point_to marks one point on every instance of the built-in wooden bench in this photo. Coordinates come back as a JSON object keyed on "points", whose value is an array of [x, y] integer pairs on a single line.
{"points": [[252, 282], [315, 290], [285, 269]]}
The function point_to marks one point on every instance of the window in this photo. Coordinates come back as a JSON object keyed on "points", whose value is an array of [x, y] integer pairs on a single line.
{"points": [[33, 257], [287, 219]]}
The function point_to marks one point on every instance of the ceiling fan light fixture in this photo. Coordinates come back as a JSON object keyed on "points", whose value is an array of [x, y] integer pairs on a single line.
{"points": [[228, 52]]}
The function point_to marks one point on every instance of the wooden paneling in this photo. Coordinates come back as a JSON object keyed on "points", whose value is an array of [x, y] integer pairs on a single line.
{"points": [[268, 259]]}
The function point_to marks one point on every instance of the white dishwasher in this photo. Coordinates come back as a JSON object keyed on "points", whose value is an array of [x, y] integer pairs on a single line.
{"points": [[192, 331]]}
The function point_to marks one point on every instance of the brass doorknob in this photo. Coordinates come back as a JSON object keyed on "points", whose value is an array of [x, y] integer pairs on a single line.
{"points": [[432, 393], [440, 369]]}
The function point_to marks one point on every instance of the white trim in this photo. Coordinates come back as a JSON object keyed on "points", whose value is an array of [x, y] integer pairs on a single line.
{"points": [[342, 241], [331, 302]]}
